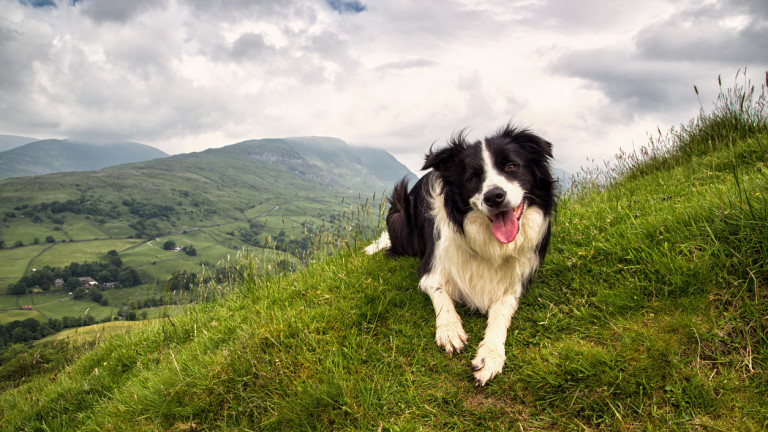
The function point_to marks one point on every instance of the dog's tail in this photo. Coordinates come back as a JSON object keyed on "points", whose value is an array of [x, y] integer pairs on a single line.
{"points": [[399, 206]]}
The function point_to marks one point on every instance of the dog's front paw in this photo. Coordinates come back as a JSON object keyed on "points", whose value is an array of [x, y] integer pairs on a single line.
{"points": [[488, 362], [451, 336]]}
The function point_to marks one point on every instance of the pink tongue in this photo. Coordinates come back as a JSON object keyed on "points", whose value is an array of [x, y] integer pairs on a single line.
{"points": [[504, 225]]}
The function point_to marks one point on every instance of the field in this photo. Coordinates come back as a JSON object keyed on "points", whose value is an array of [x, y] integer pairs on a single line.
{"points": [[63, 254], [14, 262], [215, 246], [59, 305]]}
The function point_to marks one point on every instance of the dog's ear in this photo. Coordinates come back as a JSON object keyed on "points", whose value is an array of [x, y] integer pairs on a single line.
{"points": [[527, 140], [445, 158], [543, 145], [441, 160]]}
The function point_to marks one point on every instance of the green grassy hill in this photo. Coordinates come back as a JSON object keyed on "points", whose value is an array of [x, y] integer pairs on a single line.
{"points": [[650, 313], [219, 200]]}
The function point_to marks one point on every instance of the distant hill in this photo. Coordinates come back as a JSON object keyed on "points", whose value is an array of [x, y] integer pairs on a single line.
{"points": [[52, 155], [219, 199], [8, 142], [324, 159]]}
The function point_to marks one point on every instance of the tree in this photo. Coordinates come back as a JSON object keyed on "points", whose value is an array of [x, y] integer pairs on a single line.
{"points": [[79, 293], [97, 297], [17, 289], [19, 335], [73, 283], [128, 277], [169, 245], [105, 276], [116, 261], [50, 239]]}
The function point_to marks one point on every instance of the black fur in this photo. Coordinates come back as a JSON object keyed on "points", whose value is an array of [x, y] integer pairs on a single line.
{"points": [[459, 166]]}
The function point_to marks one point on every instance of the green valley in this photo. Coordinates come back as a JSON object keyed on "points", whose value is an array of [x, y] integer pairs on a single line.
{"points": [[272, 195]]}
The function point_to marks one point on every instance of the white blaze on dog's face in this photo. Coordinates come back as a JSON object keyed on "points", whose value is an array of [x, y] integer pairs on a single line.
{"points": [[500, 196]]}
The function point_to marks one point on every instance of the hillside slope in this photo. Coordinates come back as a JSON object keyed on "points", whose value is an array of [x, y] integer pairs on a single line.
{"points": [[51, 156], [218, 200], [650, 313]]}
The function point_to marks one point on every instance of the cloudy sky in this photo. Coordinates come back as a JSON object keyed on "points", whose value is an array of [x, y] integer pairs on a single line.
{"points": [[185, 75]]}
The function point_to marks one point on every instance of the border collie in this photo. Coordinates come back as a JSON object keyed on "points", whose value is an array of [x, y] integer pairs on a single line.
{"points": [[480, 223]]}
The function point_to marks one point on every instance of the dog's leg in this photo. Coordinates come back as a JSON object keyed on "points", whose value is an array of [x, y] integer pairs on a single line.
{"points": [[449, 333], [490, 353], [382, 243]]}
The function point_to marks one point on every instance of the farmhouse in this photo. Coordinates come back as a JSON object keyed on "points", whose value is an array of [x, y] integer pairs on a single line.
{"points": [[88, 282]]}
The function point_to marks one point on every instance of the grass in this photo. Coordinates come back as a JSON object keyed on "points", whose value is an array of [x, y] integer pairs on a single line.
{"points": [[650, 313], [60, 305], [20, 315], [13, 262], [63, 254], [95, 332]]}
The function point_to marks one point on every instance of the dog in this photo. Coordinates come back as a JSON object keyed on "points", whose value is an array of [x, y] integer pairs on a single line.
{"points": [[480, 223]]}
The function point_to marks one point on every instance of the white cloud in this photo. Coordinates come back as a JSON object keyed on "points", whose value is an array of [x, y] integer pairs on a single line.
{"points": [[184, 75]]}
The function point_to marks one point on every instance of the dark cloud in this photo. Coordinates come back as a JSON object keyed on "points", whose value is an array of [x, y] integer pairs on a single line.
{"points": [[22, 51], [593, 16], [250, 47], [236, 10], [637, 85], [116, 10], [655, 70], [734, 31]]}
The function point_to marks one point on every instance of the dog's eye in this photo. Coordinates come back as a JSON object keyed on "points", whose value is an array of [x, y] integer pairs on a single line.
{"points": [[510, 167], [474, 179]]}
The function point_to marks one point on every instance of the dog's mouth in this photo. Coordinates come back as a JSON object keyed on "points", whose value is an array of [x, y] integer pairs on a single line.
{"points": [[506, 223]]}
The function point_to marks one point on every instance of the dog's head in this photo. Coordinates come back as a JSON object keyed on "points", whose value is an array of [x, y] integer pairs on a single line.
{"points": [[499, 177]]}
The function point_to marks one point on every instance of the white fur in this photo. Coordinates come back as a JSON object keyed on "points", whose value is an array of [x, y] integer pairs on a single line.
{"points": [[475, 267], [383, 242], [478, 270]]}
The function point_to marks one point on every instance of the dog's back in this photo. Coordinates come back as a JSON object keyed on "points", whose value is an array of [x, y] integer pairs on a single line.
{"points": [[409, 223]]}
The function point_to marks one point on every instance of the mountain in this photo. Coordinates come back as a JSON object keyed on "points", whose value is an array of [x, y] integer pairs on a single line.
{"points": [[324, 159], [8, 142], [258, 193], [52, 155]]}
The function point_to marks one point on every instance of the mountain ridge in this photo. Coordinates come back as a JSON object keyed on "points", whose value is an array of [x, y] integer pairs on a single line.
{"points": [[8, 142], [53, 155]]}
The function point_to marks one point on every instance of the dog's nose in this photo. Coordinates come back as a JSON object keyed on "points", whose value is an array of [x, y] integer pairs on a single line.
{"points": [[494, 197]]}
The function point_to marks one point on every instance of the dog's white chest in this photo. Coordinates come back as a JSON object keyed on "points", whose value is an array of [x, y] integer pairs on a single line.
{"points": [[476, 269]]}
